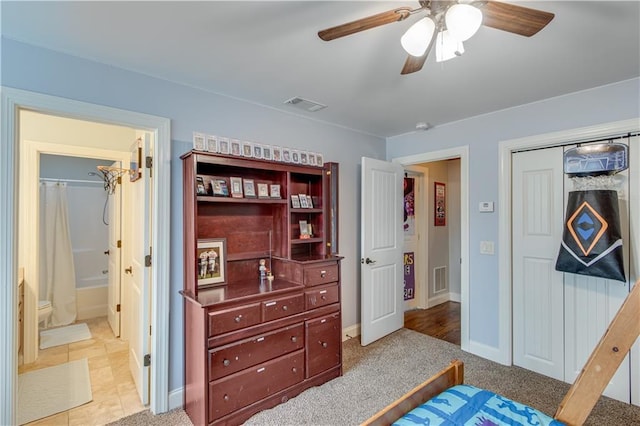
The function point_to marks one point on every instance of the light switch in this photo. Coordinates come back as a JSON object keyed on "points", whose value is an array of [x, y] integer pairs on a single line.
{"points": [[486, 206], [487, 247]]}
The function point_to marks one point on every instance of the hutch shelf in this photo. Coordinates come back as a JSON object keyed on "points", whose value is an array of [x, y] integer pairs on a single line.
{"points": [[251, 341]]}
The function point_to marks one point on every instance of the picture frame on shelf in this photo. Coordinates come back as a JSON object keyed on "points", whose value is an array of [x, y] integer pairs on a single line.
{"points": [[257, 151], [219, 187], [304, 230], [199, 141], [223, 146], [274, 190], [211, 262], [319, 160], [236, 187], [276, 153], [236, 147], [201, 187], [295, 157], [266, 152], [295, 201], [263, 190], [303, 201], [309, 202], [286, 155], [303, 158], [211, 143], [249, 188], [247, 149]]}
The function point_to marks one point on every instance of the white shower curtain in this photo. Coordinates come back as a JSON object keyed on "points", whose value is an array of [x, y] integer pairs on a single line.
{"points": [[57, 272]]}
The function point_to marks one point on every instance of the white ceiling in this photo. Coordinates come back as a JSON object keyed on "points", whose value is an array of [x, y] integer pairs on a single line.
{"points": [[266, 52]]}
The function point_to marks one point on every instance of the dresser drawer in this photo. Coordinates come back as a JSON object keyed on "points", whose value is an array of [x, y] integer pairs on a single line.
{"points": [[282, 307], [316, 275], [323, 344], [247, 386], [321, 296], [238, 356], [233, 319]]}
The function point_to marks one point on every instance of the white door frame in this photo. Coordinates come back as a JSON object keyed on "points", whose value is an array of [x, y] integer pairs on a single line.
{"points": [[12, 101], [504, 209], [461, 152]]}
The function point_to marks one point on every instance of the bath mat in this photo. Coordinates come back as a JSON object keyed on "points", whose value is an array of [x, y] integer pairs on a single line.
{"points": [[64, 335], [44, 392]]}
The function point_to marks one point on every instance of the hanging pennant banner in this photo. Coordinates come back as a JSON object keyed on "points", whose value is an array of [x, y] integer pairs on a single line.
{"points": [[592, 241]]}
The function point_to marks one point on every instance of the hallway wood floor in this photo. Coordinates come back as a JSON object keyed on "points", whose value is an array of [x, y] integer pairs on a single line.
{"points": [[441, 321]]}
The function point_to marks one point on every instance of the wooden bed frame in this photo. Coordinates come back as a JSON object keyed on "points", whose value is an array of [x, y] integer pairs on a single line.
{"points": [[577, 404]]}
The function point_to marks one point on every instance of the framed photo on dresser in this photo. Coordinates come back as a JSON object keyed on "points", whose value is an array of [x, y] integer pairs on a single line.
{"points": [[211, 261]]}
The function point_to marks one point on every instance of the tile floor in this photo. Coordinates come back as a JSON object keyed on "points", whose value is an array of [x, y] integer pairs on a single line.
{"points": [[113, 389]]}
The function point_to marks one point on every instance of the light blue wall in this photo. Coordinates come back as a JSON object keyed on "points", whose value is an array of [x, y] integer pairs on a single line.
{"points": [[482, 134], [40, 70]]}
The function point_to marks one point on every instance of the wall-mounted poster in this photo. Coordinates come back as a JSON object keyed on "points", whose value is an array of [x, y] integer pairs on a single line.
{"points": [[440, 204], [409, 206], [409, 276]]}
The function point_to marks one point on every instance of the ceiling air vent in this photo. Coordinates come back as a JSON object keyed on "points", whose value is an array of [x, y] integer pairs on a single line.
{"points": [[305, 104]]}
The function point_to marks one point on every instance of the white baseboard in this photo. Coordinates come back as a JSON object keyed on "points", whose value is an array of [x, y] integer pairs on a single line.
{"points": [[176, 398], [437, 300], [350, 332], [454, 297]]}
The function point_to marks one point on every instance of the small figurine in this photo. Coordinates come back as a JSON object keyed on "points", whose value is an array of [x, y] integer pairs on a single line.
{"points": [[262, 269]]}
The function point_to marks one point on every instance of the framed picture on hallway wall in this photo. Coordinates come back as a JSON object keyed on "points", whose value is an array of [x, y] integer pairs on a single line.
{"points": [[440, 204]]}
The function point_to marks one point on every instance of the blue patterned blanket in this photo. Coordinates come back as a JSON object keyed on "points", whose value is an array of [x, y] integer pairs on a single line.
{"points": [[465, 405]]}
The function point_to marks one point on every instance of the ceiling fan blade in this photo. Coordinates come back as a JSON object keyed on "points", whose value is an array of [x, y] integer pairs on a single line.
{"points": [[383, 18], [415, 63], [514, 19]]}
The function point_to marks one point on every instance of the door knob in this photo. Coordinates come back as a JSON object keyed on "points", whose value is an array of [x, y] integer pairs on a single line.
{"points": [[128, 270], [107, 252], [369, 261]]}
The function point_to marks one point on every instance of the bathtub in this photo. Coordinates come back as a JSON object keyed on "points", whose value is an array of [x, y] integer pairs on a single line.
{"points": [[92, 302]]}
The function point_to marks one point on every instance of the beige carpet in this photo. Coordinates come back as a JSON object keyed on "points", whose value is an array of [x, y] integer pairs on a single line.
{"points": [[377, 374], [44, 392], [64, 335]]}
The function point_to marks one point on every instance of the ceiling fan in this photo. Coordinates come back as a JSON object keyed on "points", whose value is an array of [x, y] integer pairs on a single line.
{"points": [[447, 24]]}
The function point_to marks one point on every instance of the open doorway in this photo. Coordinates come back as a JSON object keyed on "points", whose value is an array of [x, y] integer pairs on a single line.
{"points": [[14, 101], [432, 249], [455, 214]]}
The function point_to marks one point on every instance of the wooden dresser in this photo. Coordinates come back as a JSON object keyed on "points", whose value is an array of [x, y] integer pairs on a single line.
{"points": [[252, 343]]}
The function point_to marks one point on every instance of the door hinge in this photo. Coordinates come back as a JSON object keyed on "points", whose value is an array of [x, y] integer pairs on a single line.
{"points": [[118, 307], [119, 244], [148, 162], [147, 360], [147, 259]]}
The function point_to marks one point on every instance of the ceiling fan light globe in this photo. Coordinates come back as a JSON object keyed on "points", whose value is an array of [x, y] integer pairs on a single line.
{"points": [[416, 39], [447, 47], [463, 21]]}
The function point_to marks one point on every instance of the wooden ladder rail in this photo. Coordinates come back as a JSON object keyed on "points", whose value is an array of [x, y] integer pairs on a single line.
{"points": [[614, 345]]}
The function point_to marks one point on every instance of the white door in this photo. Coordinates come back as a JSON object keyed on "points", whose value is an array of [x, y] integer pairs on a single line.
{"points": [[114, 253], [558, 318], [590, 303], [140, 276], [538, 212], [381, 286]]}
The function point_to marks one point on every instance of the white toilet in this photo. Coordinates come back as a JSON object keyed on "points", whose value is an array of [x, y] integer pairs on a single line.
{"points": [[44, 312]]}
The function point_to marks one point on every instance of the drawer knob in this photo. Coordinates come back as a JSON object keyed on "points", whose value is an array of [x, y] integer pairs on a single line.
{"points": [[285, 307], [323, 297], [324, 344], [238, 318], [226, 362], [294, 339], [294, 370], [323, 273], [225, 397]]}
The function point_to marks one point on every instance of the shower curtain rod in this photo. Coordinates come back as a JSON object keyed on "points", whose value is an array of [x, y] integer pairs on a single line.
{"points": [[71, 180]]}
